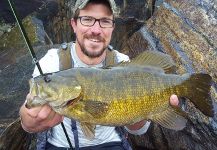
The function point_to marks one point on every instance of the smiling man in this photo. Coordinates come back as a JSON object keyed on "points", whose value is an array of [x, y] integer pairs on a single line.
{"points": [[93, 27], [93, 23]]}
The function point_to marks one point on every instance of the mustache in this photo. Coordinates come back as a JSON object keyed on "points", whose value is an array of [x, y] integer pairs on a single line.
{"points": [[97, 37]]}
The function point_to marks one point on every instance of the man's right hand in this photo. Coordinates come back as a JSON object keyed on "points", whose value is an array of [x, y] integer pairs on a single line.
{"points": [[38, 118]]}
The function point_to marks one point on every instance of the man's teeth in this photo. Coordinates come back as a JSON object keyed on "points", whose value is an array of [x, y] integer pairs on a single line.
{"points": [[94, 40]]}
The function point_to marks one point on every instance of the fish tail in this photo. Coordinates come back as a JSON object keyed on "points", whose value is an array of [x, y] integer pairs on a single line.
{"points": [[198, 92]]}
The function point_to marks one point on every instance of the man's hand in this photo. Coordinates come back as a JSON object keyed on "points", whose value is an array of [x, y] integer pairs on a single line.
{"points": [[174, 101], [39, 118]]}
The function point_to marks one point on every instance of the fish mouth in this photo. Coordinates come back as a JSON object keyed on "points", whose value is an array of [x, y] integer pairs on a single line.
{"points": [[70, 103], [65, 105], [73, 101]]}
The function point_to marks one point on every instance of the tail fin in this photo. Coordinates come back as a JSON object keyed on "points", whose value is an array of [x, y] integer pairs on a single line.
{"points": [[15, 138], [198, 91]]}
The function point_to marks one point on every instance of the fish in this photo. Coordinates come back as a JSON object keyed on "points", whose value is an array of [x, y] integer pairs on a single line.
{"points": [[123, 94]]}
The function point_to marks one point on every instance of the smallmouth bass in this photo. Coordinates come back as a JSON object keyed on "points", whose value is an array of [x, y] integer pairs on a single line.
{"points": [[123, 94]]}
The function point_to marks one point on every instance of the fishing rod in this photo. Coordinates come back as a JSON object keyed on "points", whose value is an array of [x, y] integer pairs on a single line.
{"points": [[27, 41], [35, 60]]}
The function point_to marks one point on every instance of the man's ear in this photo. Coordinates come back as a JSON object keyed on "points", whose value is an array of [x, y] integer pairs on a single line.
{"points": [[73, 23], [114, 26]]}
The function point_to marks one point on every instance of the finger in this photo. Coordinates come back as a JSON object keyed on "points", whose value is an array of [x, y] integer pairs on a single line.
{"points": [[174, 100], [57, 119], [44, 112], [51, 115], [33, 112]]}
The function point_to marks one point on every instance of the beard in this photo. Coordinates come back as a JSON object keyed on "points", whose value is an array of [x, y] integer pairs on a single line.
{"points": [[92, 54]]}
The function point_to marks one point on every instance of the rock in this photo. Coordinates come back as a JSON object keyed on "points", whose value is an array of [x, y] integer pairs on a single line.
{"points": [[4, 28], [24, 8], [35, 32], [130, 20], [16, 66], [16, 69]]}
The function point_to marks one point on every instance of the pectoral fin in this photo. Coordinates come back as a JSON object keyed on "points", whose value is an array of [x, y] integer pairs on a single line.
{"points": [[88, 130], [172, 118], [96, 108]]}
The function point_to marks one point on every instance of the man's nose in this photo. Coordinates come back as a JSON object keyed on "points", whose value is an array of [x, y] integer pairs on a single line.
{"points": [[96, 29]]}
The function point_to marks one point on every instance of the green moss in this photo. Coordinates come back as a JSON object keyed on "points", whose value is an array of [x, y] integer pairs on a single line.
{"points": [[14, 38]]}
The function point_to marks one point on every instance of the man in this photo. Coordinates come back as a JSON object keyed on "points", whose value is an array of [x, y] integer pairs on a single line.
{"points": [[93, 24]]}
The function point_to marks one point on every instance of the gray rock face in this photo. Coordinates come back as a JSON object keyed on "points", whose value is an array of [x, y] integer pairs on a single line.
{"points": [[24, 8], [16, 67]]}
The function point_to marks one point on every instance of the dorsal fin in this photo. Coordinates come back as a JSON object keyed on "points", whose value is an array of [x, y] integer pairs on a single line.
{"points": [[153, 59]]}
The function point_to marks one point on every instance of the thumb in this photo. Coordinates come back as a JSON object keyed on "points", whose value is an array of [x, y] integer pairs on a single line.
{"points": [[174, 101]]}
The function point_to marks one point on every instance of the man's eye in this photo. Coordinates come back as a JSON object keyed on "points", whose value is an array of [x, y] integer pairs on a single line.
{"points": [[106, 21], [87, 20]]}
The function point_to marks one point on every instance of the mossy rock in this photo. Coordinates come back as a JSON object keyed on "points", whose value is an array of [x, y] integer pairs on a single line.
{"points": [[14, 38]]}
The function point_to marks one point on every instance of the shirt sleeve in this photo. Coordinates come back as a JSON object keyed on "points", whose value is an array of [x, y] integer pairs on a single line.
{"points": [[121, 57], [141, 131], [49, 63]]}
